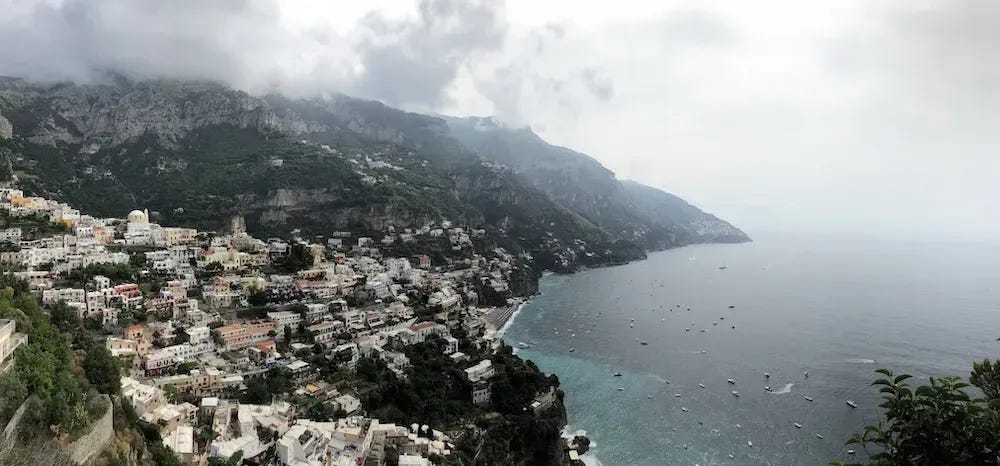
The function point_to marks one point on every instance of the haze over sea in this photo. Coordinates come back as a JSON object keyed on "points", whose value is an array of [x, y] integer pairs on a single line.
{"points": [[837, 307]]}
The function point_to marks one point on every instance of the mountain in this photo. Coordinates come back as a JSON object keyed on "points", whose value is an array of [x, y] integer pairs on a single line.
{"points": [[198, 153], [626, 210]]}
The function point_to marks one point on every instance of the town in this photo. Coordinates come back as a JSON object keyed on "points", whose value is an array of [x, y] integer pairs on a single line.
{"points": [[277, 351]]}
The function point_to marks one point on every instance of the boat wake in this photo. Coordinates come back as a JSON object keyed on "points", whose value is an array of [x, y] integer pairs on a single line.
{"points": [[786, 389]]}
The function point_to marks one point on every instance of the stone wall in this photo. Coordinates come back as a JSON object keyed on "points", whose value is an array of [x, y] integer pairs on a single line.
{"points": [[89, 446], [10, 431]]}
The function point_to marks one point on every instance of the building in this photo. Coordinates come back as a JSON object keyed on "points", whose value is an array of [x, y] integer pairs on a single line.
{"points": [[246, 334], [285, 319], [481, 371], [325, 332], [9, 341], [345, 442]]}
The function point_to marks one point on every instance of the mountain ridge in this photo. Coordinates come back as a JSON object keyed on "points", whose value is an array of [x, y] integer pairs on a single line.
{"points": [[198, 152]]}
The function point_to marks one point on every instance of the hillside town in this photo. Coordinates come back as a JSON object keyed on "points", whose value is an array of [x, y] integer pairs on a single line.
{"points": [[260, 349]]}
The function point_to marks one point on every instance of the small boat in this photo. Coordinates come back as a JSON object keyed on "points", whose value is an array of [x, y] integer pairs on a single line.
{"points": [[677, 395], [618, 374], [703, 352], [819, 436], [722, 267], [767, 375], [739, 426], [731, 381], [715, 431], [643, 343], [736, 393], [701, 385], [806, 374], [722, 318], [684, 410], [850, 452], [715, 323], [649, 396], [702, 330], [767, 388], [666, 381], [572, 350], [808, 398], [522, 344], [852, 404], [797, 425], [731, 456], [621, 389], [687, 329], [732, 307], [749, 444]]}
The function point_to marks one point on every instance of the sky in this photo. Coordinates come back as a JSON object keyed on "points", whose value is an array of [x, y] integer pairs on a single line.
{"points": [[848, 116]]}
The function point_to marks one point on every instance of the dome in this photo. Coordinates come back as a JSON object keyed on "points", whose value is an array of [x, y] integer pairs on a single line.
{"points": [[138, 216]]}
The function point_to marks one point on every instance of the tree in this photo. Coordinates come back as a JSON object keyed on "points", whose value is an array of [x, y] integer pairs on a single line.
{"points": [[934, 424], [102, 370]]}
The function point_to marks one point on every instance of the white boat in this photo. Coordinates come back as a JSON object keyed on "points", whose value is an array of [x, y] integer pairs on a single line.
{"points": [[649, 396], [731, 381], [572, 350], [677, 395], [767, 388], [701, 385], [684, 410], [852, 404], [739, 426], [850, 452], [819, 436], [666, 381], [749, 444], [522, 344], [797, 425], [736, 393], [621, 389], [731, 456], [767, 375], [808, 398]]}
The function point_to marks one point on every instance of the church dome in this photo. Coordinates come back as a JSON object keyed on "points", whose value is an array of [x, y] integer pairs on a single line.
{"points": [[138, 216]]}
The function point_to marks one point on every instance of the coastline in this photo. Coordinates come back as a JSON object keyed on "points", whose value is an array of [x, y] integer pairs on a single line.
{"points": [[566, 436]]}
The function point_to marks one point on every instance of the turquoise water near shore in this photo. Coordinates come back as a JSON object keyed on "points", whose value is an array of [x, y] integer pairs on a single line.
{"points": [[837, 307]]}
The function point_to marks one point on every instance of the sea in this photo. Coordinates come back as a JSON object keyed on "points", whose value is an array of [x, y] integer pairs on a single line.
{"points": [[835, 307]]}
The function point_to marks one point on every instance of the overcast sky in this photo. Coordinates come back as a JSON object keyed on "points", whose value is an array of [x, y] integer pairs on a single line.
{"points": [[852, 116]]}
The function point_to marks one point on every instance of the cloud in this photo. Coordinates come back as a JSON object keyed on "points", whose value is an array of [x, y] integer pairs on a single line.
{"points": [[415, 60]]}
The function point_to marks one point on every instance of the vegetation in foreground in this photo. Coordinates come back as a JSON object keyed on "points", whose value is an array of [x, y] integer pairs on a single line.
{"points": [[947, 422]]}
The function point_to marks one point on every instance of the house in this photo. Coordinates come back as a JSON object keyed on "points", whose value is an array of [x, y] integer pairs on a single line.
{"points": [[246, 334], [285, 319], [325, 332], [9, 341], [481, 371]]}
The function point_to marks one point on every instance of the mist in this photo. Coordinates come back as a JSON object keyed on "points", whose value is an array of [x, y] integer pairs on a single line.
{"points": [[778, 115]]}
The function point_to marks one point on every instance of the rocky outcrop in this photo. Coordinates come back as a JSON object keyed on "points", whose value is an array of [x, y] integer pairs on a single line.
{"points": [[6, 129]]}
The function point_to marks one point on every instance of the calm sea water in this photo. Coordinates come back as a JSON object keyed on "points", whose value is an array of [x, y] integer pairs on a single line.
{"points": [[838, 308]]}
